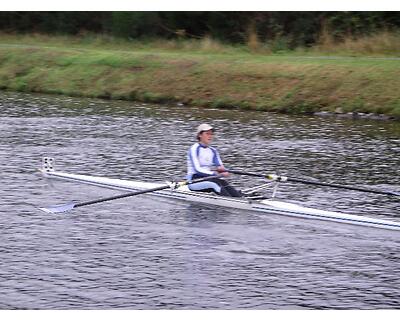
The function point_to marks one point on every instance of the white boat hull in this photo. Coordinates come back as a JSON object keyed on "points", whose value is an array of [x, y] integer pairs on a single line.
{"points": [[265, 206]]}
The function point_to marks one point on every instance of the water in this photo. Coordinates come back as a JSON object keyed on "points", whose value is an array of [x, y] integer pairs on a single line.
{"points": [[148, 253]]}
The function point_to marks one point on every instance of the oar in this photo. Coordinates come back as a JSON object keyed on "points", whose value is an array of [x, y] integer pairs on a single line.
{"points": [[69, 206], [282, 178]]}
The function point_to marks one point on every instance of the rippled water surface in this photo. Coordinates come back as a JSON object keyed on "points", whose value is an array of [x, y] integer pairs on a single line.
{"points": [[148, 253]]}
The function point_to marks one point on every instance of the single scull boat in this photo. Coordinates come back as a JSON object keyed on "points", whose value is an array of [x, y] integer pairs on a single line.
{"points": [[182, 192]]}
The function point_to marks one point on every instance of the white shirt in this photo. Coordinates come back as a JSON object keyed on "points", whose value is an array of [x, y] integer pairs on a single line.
{"points": [[201, 160]]}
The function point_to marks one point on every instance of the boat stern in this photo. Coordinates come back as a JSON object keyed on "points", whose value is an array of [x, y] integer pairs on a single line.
{"points": [[47, 165]]}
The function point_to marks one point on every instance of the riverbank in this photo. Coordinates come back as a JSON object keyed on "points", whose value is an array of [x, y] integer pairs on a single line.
{"points": [[235, 78]]}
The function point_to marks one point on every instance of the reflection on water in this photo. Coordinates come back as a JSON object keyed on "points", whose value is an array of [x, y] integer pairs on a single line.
{"points": [[146, 253]]}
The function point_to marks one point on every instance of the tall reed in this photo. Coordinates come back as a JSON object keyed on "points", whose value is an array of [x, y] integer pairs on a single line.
{"points": [[382, 43]]}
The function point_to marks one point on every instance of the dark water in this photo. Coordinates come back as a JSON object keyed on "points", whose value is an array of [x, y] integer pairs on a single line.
{"points": [[147, 253]]}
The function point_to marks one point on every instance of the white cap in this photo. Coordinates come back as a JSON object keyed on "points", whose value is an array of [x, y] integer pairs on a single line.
{"points": [[203, 127]]}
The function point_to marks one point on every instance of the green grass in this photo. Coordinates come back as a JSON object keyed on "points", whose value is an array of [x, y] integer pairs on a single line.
{"points": [[223, 77]]}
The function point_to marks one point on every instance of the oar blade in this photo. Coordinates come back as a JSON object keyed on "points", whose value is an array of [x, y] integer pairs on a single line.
{"points": [[61, 208]]}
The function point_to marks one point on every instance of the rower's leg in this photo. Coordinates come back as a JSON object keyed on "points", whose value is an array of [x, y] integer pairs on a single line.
{"points": [[219, 186], [205, 186], [227, 190]]}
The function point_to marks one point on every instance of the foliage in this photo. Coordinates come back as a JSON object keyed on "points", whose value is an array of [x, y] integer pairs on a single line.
{"points": [[279, 30]]}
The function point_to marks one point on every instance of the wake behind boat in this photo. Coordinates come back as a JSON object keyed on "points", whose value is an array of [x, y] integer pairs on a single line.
{"points": [[180, 191]]}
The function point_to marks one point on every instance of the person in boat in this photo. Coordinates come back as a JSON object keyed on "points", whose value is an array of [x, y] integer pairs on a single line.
{"points": [[203, 161]]}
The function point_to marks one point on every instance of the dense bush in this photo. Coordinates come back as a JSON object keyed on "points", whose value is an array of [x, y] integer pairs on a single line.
{"points": [[291, 29]]}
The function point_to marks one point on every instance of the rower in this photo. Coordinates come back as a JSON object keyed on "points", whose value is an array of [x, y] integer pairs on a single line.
{"points": [[203, 161]]}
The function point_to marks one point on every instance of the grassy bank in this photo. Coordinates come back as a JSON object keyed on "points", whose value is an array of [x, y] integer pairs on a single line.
{"points": [[208, 75]]}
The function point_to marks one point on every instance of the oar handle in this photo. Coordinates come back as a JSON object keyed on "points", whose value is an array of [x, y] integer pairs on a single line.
{"points": [[249, 174], [265, 176]]}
